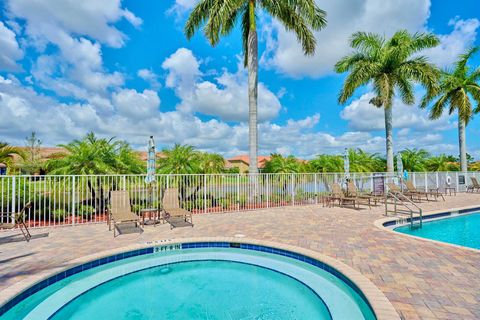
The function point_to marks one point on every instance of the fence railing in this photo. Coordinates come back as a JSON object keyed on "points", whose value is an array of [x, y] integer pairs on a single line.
{"points": [[77, 199]]}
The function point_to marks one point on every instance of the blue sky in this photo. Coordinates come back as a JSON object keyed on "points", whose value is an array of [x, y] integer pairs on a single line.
{"points": [[125, 69]]}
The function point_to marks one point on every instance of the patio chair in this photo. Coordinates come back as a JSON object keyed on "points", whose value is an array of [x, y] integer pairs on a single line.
{"points": [[338, 194], [393, 188], [172, 209], [411, 188], [475, 186], [353, 191], [120, 211], [18, 220]]}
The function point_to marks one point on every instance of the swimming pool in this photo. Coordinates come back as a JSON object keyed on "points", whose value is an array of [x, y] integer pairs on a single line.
{"points": [[461, 230], [197, 281]]}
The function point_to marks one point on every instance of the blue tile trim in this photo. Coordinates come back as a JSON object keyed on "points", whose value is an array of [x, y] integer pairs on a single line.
{"points": [[243, 246]]}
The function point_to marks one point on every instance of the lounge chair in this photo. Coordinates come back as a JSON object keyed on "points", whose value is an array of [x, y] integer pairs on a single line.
{"points": [[475, 186], [411, 188], [337, 194], [353, 191], [120, 211], [172, 209], [18, 220]]}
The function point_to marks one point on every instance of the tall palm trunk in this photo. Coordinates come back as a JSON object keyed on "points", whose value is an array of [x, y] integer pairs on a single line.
{"points": [[252, 89], [389, 138], [462, 145]]}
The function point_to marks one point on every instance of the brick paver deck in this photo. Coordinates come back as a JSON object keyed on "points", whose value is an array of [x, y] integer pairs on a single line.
{"points": [[422, 279]]}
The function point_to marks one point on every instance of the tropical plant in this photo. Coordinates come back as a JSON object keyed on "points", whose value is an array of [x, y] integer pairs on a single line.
{"points": [[92, 155], [361, 161], [211, 163], [219, 18], [7, 153], [442, 163], [181, 159], [281, 164], [459, 90], [327, 163], [392, 67], [414, 159]]}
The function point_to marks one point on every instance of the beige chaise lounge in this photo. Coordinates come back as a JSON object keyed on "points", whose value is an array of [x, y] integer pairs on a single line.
{"points": [[337, 194], [353, 191], [172, 209], [475, 186], [18, 220], [120, 210], [411, 188]]}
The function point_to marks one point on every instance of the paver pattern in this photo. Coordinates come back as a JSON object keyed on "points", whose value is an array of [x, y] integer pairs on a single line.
{"points": [[422, 279]]}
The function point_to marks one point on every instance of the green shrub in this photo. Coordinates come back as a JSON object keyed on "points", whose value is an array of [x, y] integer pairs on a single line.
{"points": [[85, 211], [59, 215]]}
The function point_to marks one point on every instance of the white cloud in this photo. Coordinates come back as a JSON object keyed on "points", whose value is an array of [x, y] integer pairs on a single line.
{"points": [[10, 52], [92, 18], [135, 105], [226, 98], [455, 43], [344, 18], [180, 7], [150, 77], [363, 116]]}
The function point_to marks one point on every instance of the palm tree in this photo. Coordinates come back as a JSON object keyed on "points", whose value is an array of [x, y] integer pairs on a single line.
{"points": [[459, 89], [211, 163], [391, 67], [7, 153], [361, 161], [414, 159], [92, 155], [221, 16], [442, 163], [181, 159], [327, 163], [281, 164]]}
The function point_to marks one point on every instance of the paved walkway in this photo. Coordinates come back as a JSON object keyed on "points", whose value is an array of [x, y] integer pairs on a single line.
{"points": [[423, 280]]}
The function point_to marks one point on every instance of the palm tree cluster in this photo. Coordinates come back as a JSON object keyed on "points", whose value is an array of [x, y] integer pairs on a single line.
{"points": [[93, 155], [393, 66], [184, 159]]}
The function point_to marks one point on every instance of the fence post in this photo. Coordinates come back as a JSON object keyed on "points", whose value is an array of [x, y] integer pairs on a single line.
{"points": [[73, 200], [238, 191], [315, 187], [204, 193], [426, 182], [267, 182], [14, 191], [457, 185], [293, 190], [124, 183], [438, 186]]}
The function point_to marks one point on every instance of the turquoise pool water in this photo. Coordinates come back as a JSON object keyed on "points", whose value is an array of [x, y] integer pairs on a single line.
{"points": [[204, 283], [463, 230], [199, 290]]}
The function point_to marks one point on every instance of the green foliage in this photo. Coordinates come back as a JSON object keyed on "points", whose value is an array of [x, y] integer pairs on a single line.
{"points": [[92, 155], [220, 17], [414, 159], [459, 89], [361, 161], [59, 215], [184, 159], [280, 164], [84, 211], [327, 163], [442, 163], [7, 152], [392, 66]]}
